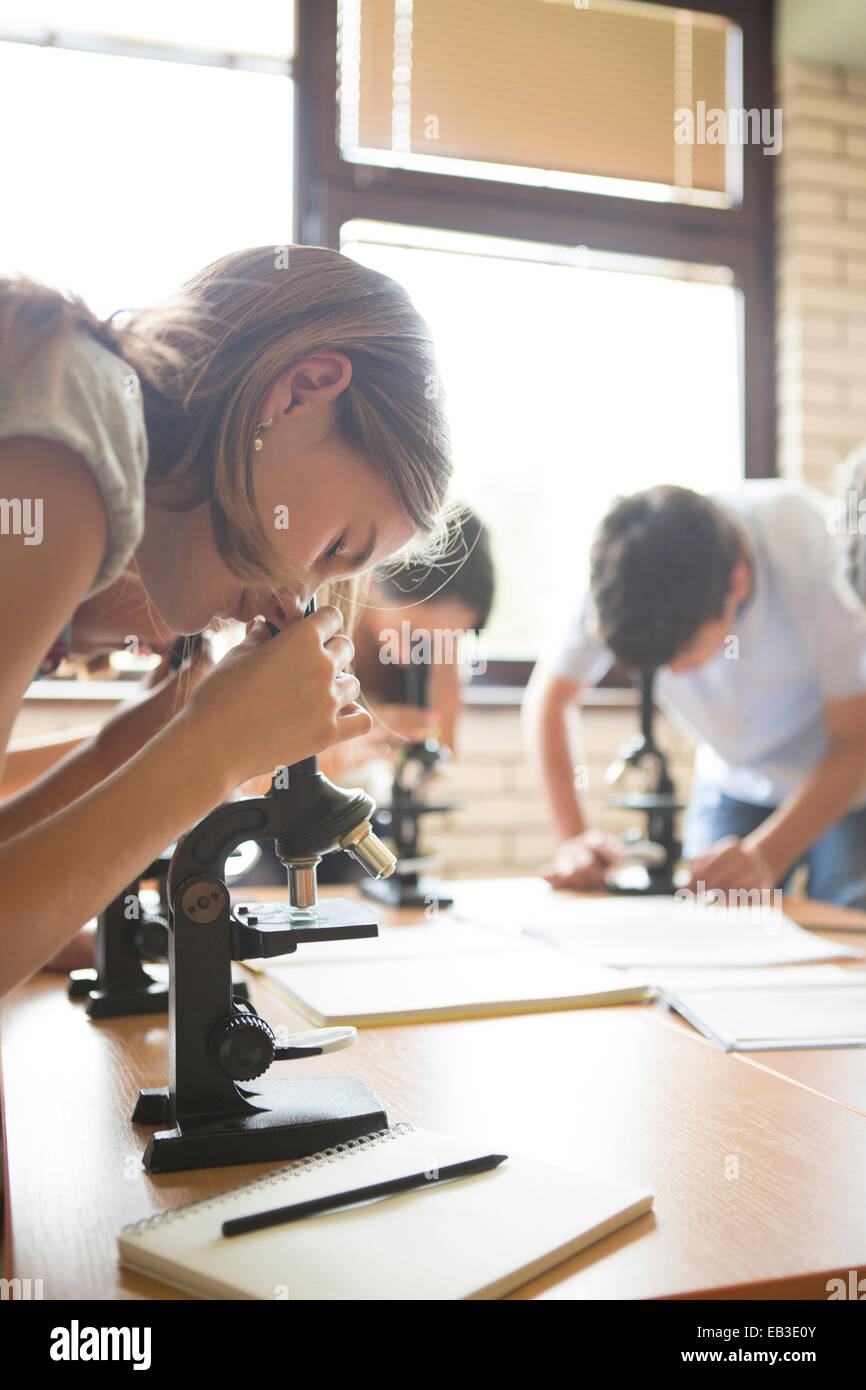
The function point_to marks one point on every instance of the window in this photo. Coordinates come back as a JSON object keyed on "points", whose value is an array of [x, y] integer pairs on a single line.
{"points": [[550, 92], [168, 154], [140, 143], [538, 347], [550, 201]]}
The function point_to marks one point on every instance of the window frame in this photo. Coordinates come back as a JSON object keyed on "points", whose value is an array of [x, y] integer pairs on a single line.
{"points": [[330, 191]]}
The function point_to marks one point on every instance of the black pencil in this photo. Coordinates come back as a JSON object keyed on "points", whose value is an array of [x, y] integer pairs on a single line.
{"points": [[240, 1225]]}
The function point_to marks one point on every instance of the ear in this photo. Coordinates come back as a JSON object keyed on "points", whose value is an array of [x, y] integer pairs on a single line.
{"points": [[314, 382]]}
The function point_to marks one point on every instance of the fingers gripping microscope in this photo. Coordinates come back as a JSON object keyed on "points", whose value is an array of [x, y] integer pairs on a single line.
{"points": [[217, 1107]]}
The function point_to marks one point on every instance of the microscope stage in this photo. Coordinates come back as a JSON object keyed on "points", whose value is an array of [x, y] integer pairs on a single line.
{"points": [[335, 919]]}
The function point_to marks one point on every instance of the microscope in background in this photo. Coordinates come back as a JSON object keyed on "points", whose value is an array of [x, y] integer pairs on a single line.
{"points": [[216, 1108], [128, 935], [399, 823], [132, 935], [132, 931], [641, 770]]}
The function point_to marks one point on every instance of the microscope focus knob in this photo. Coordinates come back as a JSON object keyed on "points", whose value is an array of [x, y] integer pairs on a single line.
{"points": [[242, 1045]]}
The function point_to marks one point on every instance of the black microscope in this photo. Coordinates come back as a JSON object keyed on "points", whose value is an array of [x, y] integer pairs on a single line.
{"points": [[655, 851], [217, 1108], [127, 937], [399, 823], [130, 936]]}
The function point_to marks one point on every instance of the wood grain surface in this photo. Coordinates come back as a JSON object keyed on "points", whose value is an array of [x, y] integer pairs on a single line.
{"points": [[757, 1167]]}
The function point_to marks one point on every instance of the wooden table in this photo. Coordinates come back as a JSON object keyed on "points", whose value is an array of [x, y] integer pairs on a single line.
{"points": [[757, 1163]]}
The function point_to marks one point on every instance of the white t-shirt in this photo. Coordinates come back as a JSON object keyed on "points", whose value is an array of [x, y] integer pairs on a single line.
{"points": [[755, 709], [92, 403]]}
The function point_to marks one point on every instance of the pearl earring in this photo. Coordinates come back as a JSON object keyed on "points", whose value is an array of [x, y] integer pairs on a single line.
{"points": [[263, 425]]}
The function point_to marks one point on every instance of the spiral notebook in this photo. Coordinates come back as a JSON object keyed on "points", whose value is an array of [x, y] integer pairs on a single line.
{"points": [[477, 1237]]}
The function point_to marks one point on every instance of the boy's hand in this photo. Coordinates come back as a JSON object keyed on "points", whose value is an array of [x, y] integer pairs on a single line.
{"points": [[582, 863], [731, 863]]}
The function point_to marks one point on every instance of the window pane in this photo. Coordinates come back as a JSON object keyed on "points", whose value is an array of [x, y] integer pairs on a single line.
{"points": [[124, 176], [542, 91], [265, 28], [570, 377]]}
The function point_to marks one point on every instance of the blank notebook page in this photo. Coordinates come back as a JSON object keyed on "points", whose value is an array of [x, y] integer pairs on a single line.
{"points": [[779, 1016], [477, 1237], [461, 986]]}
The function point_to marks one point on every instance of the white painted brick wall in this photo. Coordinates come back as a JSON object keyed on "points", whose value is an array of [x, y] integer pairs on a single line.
{"points": [[821, 270], [503, 827]]}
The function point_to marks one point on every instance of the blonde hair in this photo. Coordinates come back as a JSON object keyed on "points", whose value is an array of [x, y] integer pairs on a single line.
{"points": [[206, 357]]}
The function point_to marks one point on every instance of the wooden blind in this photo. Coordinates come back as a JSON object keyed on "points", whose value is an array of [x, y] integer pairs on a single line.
{"points": [[536, 84]]}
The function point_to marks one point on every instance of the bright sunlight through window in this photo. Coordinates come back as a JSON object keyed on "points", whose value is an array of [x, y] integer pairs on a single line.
{"points": [[570, 377], [137, 172]]}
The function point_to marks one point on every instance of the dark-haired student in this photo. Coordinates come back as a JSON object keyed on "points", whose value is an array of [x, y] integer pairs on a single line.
{"points": [[428, 607], [761, 659]]}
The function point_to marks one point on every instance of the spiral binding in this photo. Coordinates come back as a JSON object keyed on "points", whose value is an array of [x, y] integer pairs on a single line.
{"points": [[293, 1170]]}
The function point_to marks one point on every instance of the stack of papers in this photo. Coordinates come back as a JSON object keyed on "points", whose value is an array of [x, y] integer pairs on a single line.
{"points": [[421, 989], [773, 1015], [647, 931], [746, 976]]}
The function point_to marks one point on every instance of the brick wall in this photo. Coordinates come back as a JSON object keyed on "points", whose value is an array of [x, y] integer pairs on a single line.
{"points": [[821, 269], [502, 827]]}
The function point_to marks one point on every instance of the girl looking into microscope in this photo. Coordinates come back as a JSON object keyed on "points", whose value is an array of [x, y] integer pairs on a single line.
{"points": [[270, 430]]}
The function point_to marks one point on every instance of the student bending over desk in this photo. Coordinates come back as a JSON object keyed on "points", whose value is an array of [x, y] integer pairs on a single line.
{"points": [[268, 431], [435, 602], [763, 664]]}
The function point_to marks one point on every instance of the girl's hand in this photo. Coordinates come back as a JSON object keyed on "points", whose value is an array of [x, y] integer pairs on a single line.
{"points": [[274, 700], [392, 727]]}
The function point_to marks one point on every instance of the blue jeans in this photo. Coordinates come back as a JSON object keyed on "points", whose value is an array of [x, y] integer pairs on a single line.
{"points": [[836, 863]]}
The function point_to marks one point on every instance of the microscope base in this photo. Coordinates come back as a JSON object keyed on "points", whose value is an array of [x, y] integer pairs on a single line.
{"points": [[147, 995], [626, 882], [296, 1118], [406, 892], [81, 982]]}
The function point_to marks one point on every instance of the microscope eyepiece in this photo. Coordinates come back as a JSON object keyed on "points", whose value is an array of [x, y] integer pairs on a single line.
{"points": [[367, 849]]}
